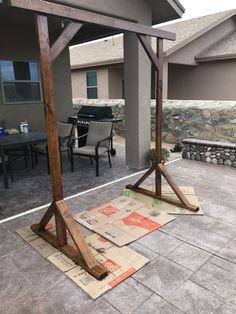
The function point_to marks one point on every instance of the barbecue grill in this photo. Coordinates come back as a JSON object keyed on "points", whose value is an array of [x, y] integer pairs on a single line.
{"points": [[92, 113]]}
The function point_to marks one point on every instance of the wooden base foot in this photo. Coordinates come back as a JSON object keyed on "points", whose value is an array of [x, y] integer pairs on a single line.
{"points": [[162, 198], [97, 271]]}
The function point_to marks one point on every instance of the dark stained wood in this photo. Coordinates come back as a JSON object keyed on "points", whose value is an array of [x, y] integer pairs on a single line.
{"points": [[73, 230], [63, 219], [97, 271], [173, 185], [60, 229], [149, 51], [145, 176], [158, 167], [83, 16], [159, 105], [162, 198], [49, 106], [47, 216], [68, 33]]}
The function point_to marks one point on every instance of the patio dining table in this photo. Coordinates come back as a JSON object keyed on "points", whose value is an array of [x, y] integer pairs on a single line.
{"points": [[11, 141]]}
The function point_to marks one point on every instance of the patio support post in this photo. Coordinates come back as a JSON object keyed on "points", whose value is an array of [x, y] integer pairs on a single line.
{"points": [[137, 72], [158, 166], [63, 219]]}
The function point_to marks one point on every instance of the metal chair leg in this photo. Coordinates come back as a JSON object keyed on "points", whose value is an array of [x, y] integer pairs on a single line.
{"points": [[70, 152], [91, 160], [109, 158], [97, 166]]}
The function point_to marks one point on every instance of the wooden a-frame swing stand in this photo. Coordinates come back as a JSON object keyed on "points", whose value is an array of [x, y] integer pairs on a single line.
{"points": [[47, 54]]}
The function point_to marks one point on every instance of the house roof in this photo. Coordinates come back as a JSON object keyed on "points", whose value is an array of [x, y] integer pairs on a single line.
{"points": [[110, 51], [223, 49], [188, 30]]}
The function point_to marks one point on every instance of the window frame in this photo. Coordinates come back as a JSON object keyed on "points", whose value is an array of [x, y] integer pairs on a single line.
{"points": [[5, 102], [94, 86]]}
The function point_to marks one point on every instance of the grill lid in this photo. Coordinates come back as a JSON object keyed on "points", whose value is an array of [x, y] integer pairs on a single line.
{"points": [[95, 112]]}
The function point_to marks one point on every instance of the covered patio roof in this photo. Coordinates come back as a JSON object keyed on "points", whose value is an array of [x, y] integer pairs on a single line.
{"points": [[171, 9]]}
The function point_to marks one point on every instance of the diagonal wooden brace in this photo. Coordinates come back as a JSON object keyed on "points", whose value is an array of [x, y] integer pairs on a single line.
{"points": [[82, 255], [160, 168]]}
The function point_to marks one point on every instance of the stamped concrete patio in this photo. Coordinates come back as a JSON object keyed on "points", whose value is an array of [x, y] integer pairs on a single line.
{"points": [[192, 267]]}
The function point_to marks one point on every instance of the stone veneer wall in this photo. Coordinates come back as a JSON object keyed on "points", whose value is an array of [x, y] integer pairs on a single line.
{"points": [[210, 152], [206, 120]]}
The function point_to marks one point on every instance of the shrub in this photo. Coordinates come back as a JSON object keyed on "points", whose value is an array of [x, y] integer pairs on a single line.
{"points": [[152, 155]]}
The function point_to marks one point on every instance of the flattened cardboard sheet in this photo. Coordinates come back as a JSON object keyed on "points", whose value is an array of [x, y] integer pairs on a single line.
{"points": [[107, 212], [120, 263], [161, 206], [121, 221]]}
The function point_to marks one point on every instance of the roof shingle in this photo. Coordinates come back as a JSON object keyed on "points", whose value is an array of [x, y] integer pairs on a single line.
{"points": [[110, 51]]}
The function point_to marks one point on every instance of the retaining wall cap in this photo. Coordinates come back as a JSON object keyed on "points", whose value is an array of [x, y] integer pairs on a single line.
{"points": [[209, 143]]}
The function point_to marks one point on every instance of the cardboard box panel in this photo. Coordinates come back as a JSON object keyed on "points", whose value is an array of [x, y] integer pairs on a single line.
{"points": [[119, 262], [43, 247], [161, 206], [61, 261], [27, 234]]}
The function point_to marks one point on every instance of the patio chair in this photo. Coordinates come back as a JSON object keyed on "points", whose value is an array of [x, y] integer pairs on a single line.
{"points": [[65, 134], [98, 143]]}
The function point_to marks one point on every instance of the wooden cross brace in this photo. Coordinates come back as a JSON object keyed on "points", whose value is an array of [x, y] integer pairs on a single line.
{"points": [[81, 254], [158, 167]]}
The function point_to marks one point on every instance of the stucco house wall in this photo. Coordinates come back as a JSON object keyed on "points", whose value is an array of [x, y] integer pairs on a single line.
{"points": [[185, 68], [211, 80], [116, 82], [18, 43], [79, 86], [109, 82]]}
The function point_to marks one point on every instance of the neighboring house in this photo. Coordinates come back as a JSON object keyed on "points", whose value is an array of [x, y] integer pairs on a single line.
{"points": [[200, 64], [21, 93]]}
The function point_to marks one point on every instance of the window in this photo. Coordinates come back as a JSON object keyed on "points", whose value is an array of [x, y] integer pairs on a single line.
{"points": [[91, 81], [20, 82]]}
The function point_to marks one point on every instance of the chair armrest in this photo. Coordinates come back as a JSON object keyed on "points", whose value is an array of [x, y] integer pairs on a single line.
{"points": [[79, 137], [105, 139]]}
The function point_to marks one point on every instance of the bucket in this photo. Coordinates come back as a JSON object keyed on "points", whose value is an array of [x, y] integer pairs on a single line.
{"points": [[24, 128]]}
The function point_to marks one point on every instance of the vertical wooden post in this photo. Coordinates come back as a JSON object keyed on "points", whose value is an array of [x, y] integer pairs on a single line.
{"points": [[49, 106], [159, 95], [50, 118]]}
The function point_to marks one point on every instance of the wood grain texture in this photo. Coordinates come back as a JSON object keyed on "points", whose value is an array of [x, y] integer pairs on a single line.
{"points": [[47, 216], [74, 232], [63, 40], [173, 185], [145, 176], [149, 51], [159, 105], [63, 218], [49, 106], [83, 16], [162, 198], [97, 271]]}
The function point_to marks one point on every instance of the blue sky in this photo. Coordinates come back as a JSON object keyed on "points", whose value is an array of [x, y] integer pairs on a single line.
{"points": [[195, 8]]}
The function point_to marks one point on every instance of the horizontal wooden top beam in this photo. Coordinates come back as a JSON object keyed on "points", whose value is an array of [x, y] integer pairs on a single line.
{"points": [[83, 16]]}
